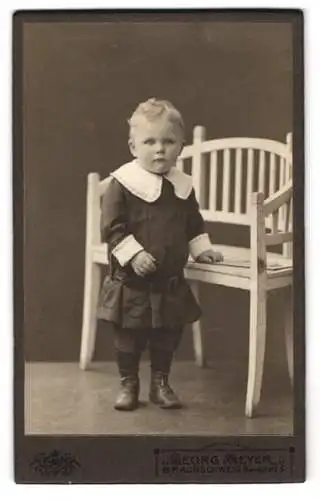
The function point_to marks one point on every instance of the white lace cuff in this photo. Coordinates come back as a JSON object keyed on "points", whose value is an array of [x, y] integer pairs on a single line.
{"points": [[199, 244], [126, 249]]}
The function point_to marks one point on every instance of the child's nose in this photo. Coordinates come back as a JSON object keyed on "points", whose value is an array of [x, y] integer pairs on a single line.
{"points": [[160, 147]]}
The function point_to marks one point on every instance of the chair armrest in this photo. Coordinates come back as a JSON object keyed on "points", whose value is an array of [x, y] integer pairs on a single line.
{"points": [[276, 200]]}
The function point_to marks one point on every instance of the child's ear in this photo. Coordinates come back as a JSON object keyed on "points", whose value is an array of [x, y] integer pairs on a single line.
{"points": [[132, 147]]}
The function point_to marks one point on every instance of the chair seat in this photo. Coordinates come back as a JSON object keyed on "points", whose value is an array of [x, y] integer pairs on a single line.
{"points": [[235, 269], [237, 261]]}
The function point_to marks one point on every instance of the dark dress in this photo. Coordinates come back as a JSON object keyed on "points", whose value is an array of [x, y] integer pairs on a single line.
{"points": [[164, 228]]}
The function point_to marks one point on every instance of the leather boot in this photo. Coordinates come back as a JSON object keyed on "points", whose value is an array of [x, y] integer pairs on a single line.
{"points": [[161, 393], [128, 397]]}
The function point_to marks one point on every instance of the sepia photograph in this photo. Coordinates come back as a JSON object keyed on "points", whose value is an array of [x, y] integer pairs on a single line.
{"points": [[159, 246]]}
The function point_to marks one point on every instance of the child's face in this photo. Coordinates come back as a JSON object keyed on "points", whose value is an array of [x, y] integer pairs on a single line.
{"points": [[156, 145]]}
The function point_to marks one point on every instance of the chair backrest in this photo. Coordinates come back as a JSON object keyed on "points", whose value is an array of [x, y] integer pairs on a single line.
{"points": [[227, 171]]}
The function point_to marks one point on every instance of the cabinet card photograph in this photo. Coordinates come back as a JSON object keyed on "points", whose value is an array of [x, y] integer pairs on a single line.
{"points": [[158, 178]]}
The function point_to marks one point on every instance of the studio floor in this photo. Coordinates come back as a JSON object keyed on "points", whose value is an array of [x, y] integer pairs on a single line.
{"points": [[62, 399]]}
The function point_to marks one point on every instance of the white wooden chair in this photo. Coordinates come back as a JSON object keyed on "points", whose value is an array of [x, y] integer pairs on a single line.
{"points": [[242, 181]]}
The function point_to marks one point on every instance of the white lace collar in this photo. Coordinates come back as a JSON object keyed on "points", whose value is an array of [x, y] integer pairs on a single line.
{"points": [[147, 186]]}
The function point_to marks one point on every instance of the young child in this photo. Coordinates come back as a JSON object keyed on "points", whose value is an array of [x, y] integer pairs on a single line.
{"points": [[151, 222]]}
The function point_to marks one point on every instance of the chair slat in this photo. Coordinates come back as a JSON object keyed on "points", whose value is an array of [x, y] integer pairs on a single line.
{"points": [[226, 180], [238, 181], [198, 164], [249, 178], [262, 168], [275, 221], [287, 215], [282, 181], [286, 207], [213, 181], [291, 214], [272, 183], [272, 177]]}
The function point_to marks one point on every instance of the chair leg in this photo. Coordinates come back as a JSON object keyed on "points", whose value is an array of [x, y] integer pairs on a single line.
{"points": [[257, 345], [89, 325], [289, 330], [198, 344]]}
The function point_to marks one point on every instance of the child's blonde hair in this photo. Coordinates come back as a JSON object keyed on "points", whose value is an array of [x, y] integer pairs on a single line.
{"points": [[153, 109]]}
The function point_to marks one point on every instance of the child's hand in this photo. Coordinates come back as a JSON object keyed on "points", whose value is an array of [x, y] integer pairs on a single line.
{"points": [[210, 257], [143, 263]]}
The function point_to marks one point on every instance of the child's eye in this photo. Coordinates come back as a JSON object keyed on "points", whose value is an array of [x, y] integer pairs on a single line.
{"points": [[169, 141], [149, 141]]}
